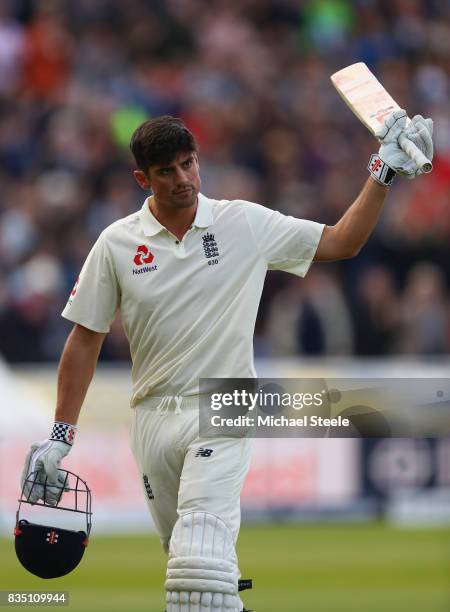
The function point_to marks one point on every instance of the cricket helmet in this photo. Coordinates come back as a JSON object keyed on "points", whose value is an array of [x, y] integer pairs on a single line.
{"points": [[47, 551]]}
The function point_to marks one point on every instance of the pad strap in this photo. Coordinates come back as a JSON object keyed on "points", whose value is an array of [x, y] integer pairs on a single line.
{"points": [[243, 585]]}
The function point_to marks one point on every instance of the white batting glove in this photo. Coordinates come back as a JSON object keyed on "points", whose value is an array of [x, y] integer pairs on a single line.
{"points": [[420, 132], [45, 458], [391, 158]]}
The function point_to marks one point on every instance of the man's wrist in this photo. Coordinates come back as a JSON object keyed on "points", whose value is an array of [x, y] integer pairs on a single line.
{"points": [[380, 171], [63, 432]]}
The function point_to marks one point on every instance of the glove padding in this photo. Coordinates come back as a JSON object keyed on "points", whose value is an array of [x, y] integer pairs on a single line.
{"points": [[418, 130], [44, 458]]}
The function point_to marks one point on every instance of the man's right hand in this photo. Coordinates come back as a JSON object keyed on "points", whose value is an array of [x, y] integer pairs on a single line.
{"points": [[45, 458], [418, 130]]}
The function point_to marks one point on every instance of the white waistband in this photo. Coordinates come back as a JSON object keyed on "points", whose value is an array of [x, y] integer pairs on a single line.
{"points": [[169, 403]]}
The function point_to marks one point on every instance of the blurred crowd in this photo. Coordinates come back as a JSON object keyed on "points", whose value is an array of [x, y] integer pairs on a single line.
{"points": [[251, 79]]}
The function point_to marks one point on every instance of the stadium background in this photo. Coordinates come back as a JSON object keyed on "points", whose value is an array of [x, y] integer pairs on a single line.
{"points": [[251, 79]]}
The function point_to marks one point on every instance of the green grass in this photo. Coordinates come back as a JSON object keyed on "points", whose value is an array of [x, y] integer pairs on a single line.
{"points": [[295, 568]]}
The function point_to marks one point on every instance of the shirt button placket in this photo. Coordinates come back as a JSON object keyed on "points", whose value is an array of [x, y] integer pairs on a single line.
{"points": [[179, 249]]}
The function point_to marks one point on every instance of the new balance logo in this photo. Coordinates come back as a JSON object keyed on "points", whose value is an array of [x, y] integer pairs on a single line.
{"points": [[147, 486], [204, 452]]}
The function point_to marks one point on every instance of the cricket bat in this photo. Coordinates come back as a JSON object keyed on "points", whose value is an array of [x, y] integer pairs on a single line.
{"points": [[371, 103]]}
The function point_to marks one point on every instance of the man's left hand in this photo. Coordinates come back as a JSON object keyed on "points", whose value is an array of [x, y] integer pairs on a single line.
{"points": [[43, 460]]}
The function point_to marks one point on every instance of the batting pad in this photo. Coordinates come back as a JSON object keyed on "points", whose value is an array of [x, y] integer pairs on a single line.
{"points": [[202, 572]]}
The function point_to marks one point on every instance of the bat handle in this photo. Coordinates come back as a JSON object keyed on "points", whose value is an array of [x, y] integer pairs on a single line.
{"points": [[415, 154]]}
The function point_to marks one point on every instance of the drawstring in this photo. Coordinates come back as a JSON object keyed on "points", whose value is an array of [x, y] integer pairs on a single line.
{"points": [[163, 406]]}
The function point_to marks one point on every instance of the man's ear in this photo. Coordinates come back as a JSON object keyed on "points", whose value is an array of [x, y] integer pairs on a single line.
{"points": [[142, 179]]}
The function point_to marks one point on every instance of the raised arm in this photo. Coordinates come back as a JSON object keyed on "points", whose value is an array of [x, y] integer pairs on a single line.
{"points": [[351, 232]]}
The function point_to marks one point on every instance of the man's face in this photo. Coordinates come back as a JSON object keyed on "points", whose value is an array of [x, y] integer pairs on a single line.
{"points": [[175, 185]]}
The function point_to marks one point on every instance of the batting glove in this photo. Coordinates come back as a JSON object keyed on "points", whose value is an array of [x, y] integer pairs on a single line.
{"points": [[391, 159], [45, 458], [420, 132]]}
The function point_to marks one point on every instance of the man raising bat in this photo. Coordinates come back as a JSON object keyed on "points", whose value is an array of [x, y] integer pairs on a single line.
{"points": [[186, 272]]}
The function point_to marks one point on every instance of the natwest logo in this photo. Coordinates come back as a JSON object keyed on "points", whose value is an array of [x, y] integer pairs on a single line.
{"points": [[143, 256]]}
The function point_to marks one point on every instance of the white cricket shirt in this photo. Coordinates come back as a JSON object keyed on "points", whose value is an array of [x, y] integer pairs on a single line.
{"points": [[189, 308]]}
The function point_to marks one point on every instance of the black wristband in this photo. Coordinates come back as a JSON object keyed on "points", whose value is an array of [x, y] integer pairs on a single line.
{"points": [[380, 171], [63, 432]]}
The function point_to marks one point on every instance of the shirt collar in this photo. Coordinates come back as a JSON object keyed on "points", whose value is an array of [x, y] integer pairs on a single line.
{"points": [[203, 216], [150, 225]]}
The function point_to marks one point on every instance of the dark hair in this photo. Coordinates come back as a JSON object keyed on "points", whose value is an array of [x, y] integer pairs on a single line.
{"points": [[157, 141]]}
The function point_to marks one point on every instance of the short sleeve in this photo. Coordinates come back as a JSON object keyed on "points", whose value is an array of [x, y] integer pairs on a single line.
{"points": [[95, 298], [286, 243]]}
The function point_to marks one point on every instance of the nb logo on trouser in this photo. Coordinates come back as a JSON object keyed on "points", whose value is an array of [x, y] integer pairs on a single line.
{"points": [[204, 452]]}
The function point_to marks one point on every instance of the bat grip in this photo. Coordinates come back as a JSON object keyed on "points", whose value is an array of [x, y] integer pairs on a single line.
{"points": [[415, 154]]}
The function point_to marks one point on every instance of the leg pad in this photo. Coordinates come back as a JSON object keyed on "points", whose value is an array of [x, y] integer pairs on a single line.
{"points": [[202, 572]]}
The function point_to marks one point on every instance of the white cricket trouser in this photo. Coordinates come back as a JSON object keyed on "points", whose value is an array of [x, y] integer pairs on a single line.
{"points": [[182, 473]]}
